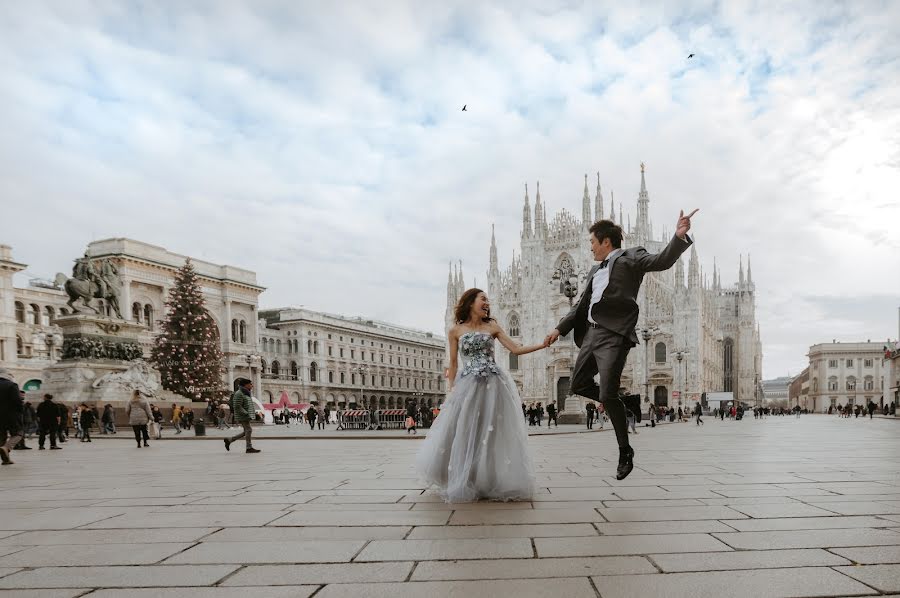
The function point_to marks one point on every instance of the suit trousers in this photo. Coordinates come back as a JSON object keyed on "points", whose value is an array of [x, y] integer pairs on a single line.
{"points": [[45, 429], [603, 353]]}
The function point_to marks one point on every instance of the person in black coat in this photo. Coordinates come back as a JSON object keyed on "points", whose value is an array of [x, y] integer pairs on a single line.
{"points": [[589, 408], [87, 420], [11, 407], [62, 431], [48, 422]]}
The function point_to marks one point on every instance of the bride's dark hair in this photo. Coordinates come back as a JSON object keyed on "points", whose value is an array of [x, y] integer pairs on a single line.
{"points": [[464, 306]]}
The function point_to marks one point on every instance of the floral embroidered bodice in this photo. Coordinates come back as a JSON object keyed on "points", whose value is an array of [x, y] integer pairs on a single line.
{"points": [[477, 350]]}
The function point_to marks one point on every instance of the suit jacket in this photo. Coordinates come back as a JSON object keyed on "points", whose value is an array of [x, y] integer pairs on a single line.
{"points": [[617, 310]]}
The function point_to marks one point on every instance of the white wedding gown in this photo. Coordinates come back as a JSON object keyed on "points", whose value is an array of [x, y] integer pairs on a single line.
{"points": [[477, 447]]}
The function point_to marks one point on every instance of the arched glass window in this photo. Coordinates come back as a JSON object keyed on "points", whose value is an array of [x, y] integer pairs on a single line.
{"points": [[49, 315], [34, 315], [275, 367], [514, 325], [331, 377], [278, 346], [316, 347], [309, 346], [20, 312], [136, 313], [20, 346], [262, 366], [728, 369], [242, 330], [660, 352], [343, 378], [832, 383], [294, 372], [313, 372], [148, 316], [851, 383], [234, 331], [513, 364]]}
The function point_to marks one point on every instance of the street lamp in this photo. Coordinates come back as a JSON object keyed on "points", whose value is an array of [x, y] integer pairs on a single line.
{"points": [[679, 355], [362, 370], [251, 359], [567, 278], [647, 334]]}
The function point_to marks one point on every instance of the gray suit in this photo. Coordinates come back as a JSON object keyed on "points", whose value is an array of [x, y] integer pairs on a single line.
{"points": [[605, 346]]}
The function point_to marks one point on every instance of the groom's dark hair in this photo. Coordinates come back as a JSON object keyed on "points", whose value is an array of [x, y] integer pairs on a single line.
{"points": [[607, 229]]}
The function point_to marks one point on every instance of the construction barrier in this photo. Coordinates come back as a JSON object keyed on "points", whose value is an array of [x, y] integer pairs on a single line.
{"points": [[354, 420], [392, 418]]}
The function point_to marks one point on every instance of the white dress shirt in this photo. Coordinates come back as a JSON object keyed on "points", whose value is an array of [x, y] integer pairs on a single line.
{"points": [[600, 282]]}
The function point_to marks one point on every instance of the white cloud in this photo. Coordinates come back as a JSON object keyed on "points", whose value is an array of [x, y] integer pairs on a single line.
{"points": [[324, 147]]}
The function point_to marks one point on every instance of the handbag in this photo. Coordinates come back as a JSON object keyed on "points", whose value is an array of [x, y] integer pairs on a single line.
{"points": [[410, 423]]}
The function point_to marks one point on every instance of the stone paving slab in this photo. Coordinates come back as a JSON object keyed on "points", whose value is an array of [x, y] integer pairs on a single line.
{"points": [[625, 545], [255, 575], [112, 536], [809, 539], [747, 559], [527, 588], [871, 555], [629, 528], [147, 576], [531, 568], [885, 578], [788, 510], [64, 593], [429, 550], [525, 517], [362, 518], [777, 583], [93, 555], [670, 513], [304, 551], [211, 518], [290, 534], [435, 532], [802, 523]]}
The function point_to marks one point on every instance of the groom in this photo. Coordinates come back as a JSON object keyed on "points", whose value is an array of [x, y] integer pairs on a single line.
{"points": [[605, 317]]}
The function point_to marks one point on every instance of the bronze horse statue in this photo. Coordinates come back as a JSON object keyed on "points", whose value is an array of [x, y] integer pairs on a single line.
{"points": [[86, 290]]}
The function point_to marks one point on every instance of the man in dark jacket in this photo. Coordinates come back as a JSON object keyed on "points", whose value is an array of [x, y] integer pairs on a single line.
{"points": [[48, 422], [63, 430], [244, 412], [11, 407], [87, 419]]}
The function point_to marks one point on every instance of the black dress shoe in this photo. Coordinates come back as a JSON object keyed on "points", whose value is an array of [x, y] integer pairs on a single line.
{"points": [[626, 464]]}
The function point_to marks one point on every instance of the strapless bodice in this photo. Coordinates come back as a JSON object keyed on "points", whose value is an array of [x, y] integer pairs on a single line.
{"points": [[477, 351]]}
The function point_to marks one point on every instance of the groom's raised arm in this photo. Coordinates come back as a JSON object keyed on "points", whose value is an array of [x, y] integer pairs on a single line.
{"points": [[665, 259]]}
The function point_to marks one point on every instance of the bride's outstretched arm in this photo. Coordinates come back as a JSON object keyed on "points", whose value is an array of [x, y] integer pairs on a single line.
{"points": [[454, 358], [512, 346]]}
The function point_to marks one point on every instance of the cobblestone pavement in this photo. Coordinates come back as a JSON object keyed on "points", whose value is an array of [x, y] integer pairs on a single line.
{"points": [[780, 507]]}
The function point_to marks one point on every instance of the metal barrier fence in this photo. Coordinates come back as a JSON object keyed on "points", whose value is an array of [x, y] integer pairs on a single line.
{"points": [[392, 418], [354, 420]]}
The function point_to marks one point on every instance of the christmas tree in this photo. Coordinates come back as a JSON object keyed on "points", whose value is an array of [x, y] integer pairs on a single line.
{"points": [[187, 352]]}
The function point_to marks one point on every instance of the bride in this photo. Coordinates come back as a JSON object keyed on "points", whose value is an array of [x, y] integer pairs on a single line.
{"points": [[477, 447]]}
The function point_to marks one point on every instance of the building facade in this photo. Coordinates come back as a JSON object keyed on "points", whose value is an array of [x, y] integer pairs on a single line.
{"points": [[776, 392], [701, 335], [310, 356], [798, 390], [842, 373]]}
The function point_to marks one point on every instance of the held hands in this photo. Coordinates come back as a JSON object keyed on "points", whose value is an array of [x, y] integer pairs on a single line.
{"points": [[551, 338], [684, 223]]}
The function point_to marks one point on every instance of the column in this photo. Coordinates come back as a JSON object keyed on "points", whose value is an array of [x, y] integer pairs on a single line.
{"points": [[125, 303]]}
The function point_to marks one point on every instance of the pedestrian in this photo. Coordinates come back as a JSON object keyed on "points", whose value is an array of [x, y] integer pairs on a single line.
{"points": [[590, 409], [176, 418], [11, 407], [21, 446], [320, 417], [551, 414], [108, 420], [698, 411], [157, 422], [29, 420], [311, 414], [63, 431], [139, 415], [630, 419], [86, 417], [244, 412], [48, 422]]}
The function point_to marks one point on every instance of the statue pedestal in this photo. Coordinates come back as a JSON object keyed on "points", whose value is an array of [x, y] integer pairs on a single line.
{"points": [[573, 413], [102, 364]]}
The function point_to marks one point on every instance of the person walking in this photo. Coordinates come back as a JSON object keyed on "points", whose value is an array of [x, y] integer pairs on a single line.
{"points": [[63, 430], [48, 422], [11, 407], [311, 414], [108, 420], [551, 414], [176, 418], [605, 317], [698, 411], [86, 417], [139, 415], [589, 409], [157, 422], [320, 417], [244, 412]]}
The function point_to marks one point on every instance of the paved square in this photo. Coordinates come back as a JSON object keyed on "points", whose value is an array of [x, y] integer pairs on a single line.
{"points": [[779, 507]]}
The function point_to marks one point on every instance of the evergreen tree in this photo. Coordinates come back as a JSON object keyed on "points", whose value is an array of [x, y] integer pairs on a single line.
{"points": [[187, 352]]}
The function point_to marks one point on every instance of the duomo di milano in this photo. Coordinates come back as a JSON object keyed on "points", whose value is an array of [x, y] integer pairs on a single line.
{"points": [[711, 327]]}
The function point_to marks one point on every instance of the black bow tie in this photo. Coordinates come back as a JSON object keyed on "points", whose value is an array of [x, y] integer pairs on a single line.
{"points": [[604, 264]]}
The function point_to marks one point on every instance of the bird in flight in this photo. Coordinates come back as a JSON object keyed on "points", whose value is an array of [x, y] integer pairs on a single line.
{"points": [[690, 56], [464, 108]]}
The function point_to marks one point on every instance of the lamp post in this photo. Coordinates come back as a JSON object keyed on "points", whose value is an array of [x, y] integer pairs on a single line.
{"points": [[679, 355], [568, 278], [647, 335], [362, 370], [251, 359]]}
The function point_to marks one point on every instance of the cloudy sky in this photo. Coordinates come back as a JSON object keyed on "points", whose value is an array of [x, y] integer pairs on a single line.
{"points": [[322, 144]]}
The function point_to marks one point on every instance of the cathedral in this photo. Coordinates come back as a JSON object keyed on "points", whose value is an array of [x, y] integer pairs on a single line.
{"points": [[698, 336]]}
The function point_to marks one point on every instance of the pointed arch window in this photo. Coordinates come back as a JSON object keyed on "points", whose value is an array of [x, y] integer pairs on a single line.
{"points": [[136, 312], [242, 331], [513, 325], [275, 368], [148, 316], [294, 371]]}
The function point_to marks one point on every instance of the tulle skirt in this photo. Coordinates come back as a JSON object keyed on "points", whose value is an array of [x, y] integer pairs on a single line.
{"points": [[477, 447]]}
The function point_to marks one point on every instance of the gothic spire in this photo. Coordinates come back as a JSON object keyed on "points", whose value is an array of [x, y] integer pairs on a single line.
{"points": [[642, 226], [693, 269], [679, 274], [741, 271], [598, 201], [586, 205], [621, 219], [538, 213], [526, 216], [749, 275], [494, 267], [612, 206]]}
